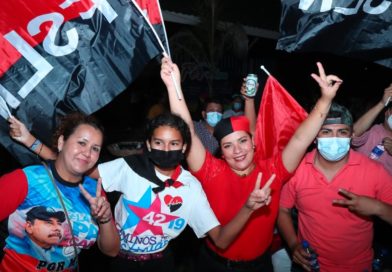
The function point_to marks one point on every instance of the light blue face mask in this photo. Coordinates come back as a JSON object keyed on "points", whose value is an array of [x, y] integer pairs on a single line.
{"points": [[213, 117], [237, 106], [333, 148]]}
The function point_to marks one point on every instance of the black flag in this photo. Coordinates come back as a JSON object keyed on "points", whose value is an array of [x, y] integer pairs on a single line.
{"points": [[359, 29], [60, 56]]}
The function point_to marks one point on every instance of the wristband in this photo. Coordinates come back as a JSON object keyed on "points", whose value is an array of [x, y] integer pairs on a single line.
{"points": [[101, 222], [35, 145]]}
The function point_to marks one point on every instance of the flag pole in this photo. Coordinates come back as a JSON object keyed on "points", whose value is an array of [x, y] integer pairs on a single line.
{"points": [[386, 103], [162, 47], [164, 29], [262, 67]]}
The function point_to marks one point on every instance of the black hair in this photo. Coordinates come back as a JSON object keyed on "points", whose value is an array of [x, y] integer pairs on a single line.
{"points": [[212, 100], [339, 111], [70, 122], [171, 120]]}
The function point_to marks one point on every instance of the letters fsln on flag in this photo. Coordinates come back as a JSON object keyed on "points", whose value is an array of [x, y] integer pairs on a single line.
{"points": [[62, 56]]}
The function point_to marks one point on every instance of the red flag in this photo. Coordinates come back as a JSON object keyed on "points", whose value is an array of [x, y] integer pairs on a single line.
{"points": [[152, 10], [278, 118]]}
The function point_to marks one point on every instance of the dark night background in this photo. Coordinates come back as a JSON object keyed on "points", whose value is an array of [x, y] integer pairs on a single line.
{"points": [[124, 117], [364, 82]]}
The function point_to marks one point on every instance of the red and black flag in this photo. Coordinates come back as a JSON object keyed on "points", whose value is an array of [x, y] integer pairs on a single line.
{"points": [[152, 10], [59, 56], [358, 29]]}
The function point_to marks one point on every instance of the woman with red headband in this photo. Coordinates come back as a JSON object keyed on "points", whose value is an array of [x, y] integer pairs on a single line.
{"points": [[228, 181]]}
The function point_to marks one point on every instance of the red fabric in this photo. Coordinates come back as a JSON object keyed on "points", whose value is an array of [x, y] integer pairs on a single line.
{"points": [[239, 123], [278, 118], [276, 243], [13, 191], [15, 262], [227, 192], [342, 239], [176, 184], [151, 9]]}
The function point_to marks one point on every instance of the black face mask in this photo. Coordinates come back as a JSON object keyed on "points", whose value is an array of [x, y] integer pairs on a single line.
{"points": [[166, 159]]}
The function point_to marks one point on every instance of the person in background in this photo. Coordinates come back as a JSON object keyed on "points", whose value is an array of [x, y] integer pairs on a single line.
{"points": [[161, 106], [78, 141], [366, 136], [236, 109], [160, 198], [228, 181], [336, 190], [212, 114]]}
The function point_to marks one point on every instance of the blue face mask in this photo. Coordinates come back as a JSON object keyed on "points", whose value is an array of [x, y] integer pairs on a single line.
{"points": [[213, 117], [237, 106], [333, 148]]}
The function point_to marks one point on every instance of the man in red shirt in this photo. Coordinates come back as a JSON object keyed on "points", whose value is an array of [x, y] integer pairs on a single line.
{"points": [[335, 190]]}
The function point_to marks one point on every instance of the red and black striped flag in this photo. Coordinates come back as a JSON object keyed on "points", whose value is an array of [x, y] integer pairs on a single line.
{"points": [[58, 56]]}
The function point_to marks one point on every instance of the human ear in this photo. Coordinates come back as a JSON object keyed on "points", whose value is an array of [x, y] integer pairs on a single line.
{"points": [[148, 145], [60, 143]]}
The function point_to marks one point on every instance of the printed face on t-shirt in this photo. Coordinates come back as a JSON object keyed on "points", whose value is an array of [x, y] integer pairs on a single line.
{"points": [[45, 233]]}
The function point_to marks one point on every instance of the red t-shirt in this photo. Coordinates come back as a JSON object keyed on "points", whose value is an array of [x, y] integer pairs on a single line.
{"points": [[342, 239], [227, 193]]}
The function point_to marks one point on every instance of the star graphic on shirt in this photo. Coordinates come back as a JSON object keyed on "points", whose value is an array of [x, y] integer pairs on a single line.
{"points": [[151, 218], [144, 202]]}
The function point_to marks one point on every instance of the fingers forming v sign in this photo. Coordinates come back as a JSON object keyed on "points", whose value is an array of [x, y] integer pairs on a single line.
{"points": [[260, 197], [349, 201], [329, 84], [358, 204], [100, 207]]}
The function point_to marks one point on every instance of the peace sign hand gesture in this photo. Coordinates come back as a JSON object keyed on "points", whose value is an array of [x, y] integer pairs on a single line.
{"points": [[260, 197], [358, 204], [329, 84], [100, 207]]}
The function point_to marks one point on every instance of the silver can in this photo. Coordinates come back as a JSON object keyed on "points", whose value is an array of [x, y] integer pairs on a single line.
{"points": [[251, 83]]}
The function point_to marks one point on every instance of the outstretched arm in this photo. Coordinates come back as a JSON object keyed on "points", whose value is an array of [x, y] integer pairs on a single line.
{"points": [[223, 236], [20, 133], [307, 131], [197, 152], [363, 205], [366, 120]]}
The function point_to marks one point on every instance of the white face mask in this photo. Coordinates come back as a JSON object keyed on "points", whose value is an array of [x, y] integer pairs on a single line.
{"points": [[333, 148], [389, 120]]}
